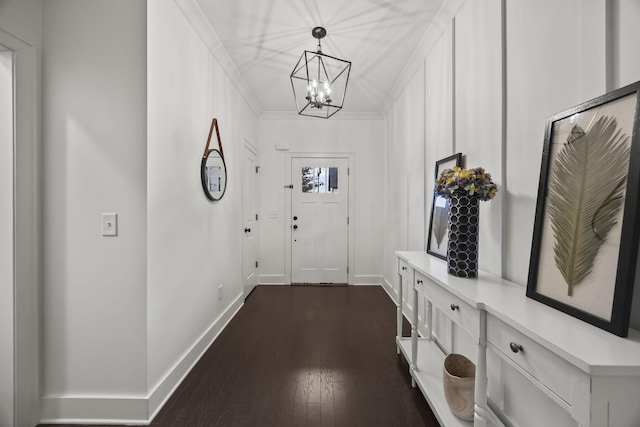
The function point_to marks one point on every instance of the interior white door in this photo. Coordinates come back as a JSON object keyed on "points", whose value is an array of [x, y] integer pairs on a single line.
{"points": [[319, 220], [250, 221]]}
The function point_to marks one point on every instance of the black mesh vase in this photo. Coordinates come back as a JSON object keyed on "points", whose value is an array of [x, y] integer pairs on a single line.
{"points": [[462, 252]]}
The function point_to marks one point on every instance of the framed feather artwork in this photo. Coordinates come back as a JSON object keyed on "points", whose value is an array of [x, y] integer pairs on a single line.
{"points": [[438, 241], [585, 237]]}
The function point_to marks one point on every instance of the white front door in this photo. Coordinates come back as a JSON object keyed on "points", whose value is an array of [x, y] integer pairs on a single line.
{"points": [[250, 220], [319, 220]]}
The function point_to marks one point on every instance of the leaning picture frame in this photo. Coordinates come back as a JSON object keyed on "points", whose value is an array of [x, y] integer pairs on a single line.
{"points": [[438, 238], [585, 238]]}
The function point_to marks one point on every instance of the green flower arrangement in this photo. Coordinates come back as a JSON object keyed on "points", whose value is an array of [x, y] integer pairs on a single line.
{"points": [[474, 182]]}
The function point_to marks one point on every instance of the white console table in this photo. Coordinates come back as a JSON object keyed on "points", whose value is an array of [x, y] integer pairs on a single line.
{"points": [[592, 375]]}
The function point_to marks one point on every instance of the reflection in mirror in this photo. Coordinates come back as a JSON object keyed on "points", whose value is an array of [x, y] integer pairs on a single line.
{"points": [[213, 172], [321, 180]]}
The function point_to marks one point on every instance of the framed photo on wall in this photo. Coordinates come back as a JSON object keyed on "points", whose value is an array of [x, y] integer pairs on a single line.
{"points": [[438, 239], [585, 238]]}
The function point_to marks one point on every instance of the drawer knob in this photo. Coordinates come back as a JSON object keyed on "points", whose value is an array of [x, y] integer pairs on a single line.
{"points": [[419, 282], [454, 307], [516, 347], [404, 268]]}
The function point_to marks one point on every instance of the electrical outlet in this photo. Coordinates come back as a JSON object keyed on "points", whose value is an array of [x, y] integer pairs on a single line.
{"points": [[273, 214], [109, 224], [220, 292]]}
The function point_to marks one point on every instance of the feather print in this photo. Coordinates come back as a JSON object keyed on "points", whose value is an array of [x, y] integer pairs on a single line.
{"points": [[586, 191], [440, 222]]}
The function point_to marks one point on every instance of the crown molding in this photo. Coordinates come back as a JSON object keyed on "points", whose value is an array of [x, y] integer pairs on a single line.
{"points": [[448, 10], [10, 42], [341, 115], [195, 16]]}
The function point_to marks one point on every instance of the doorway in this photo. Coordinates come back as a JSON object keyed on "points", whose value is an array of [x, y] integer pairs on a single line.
{"points": [[7, 361], [19, 234], [250, 219], [319, 238]]}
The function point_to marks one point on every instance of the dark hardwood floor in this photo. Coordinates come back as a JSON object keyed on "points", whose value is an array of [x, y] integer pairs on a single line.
{"points": [[302, 356]]}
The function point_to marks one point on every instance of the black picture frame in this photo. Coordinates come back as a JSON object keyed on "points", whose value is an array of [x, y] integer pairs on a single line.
{"points": [[438, 221], [596, 292]]}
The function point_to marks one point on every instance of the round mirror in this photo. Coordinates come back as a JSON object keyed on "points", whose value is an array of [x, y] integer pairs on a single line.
{"points": [[213, 172]]}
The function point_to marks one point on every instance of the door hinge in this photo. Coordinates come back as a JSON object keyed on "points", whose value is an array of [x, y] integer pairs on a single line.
{"points": [[347, 269], [256, 217], [347, 220], [348, 171], [256, 264], [257, 169]]}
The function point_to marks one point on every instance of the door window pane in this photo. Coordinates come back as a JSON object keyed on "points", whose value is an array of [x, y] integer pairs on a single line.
{"points": [[319, 180]]}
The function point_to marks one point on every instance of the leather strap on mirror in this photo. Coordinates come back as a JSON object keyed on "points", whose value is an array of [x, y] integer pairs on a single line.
{"points": [[214, 124]]}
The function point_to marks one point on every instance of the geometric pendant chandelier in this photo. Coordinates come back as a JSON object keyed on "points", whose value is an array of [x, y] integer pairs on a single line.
{"points": [[319, 81]]}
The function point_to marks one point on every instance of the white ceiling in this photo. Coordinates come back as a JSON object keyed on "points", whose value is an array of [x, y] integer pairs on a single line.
{"points": [[265, 39]]}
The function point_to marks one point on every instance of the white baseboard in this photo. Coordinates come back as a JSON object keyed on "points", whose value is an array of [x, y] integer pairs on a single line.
{"points": [[275, 279], [388, 287], [280, 279], [362, 280], [94, 410], [133, 410], [174, 377]]}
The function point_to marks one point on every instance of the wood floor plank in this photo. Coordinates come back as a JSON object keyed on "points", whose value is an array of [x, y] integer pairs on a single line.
{"points": [[302, 356]]}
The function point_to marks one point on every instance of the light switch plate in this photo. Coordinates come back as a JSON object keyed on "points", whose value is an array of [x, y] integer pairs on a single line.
{"points": [[109, 224]]}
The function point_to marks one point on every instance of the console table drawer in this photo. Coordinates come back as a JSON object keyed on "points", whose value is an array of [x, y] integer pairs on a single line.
{"points": [[452, 306], [403, 269], [545, 369]]}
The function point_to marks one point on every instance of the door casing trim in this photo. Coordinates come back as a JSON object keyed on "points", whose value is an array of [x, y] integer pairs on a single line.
{"points": [[249, 146]]}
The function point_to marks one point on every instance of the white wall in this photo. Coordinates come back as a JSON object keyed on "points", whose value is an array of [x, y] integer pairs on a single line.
{"points": [[22, 18], [493, 74], [415, 171], [391, 210], [194, 245], [364, 139], [126, 112], [623, 52], [479, 111], [94, 161], [514, 64], [535, 91]]}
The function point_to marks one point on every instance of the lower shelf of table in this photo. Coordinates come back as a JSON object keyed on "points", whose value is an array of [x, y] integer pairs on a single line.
{"points": [[429, 379]]}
